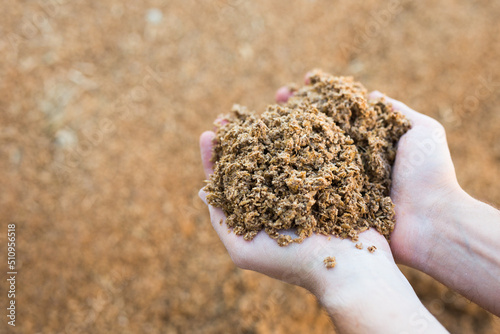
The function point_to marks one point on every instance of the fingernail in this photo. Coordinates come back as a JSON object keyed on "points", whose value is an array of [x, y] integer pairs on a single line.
{"points": [[283, 94], [307, 77]]}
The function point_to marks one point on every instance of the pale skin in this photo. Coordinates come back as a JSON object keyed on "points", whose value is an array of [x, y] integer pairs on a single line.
{"points": [[440, 230]]}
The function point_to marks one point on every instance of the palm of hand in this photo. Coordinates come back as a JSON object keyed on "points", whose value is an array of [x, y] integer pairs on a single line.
{"points": [[422, 173]]}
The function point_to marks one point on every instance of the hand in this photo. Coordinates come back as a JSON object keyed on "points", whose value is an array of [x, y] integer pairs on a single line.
{"points": [[360, 292], [440, 229], [299, 264], [423, 180]]}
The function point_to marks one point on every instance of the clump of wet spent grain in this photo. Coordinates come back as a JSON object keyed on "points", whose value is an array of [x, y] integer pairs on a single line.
{"points": [[321, 163], [330, 262]]}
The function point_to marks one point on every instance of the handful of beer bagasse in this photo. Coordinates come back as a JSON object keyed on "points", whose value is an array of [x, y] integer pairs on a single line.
{"points": [[321, 163]]}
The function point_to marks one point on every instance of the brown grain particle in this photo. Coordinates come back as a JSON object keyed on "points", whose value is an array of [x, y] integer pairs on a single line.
{"points": [[330, 262]]}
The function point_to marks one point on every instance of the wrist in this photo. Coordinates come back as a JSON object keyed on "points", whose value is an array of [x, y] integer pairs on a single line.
{"points": [[378, 292], [462, 250]]}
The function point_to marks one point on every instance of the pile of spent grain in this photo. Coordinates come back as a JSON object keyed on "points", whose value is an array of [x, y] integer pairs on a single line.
{"points": [[321, 163]]}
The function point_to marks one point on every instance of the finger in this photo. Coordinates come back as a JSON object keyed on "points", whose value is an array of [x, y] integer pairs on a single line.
{"points": [[283, 94], [220, 121], [216, 215], [307, 77], [206, 148], [231, 241], [412, 115], [218, 219]]}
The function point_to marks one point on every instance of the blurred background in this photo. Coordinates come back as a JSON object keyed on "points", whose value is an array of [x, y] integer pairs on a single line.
{"points": [[101, 106]]}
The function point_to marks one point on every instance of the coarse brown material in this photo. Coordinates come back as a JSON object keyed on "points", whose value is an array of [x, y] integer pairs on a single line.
{"points": [[320, 163], [330, 262]]}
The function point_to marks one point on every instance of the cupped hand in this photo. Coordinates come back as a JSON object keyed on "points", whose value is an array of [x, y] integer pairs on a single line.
{"points": [[364, 283], [299, 264], [423, 179]]}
